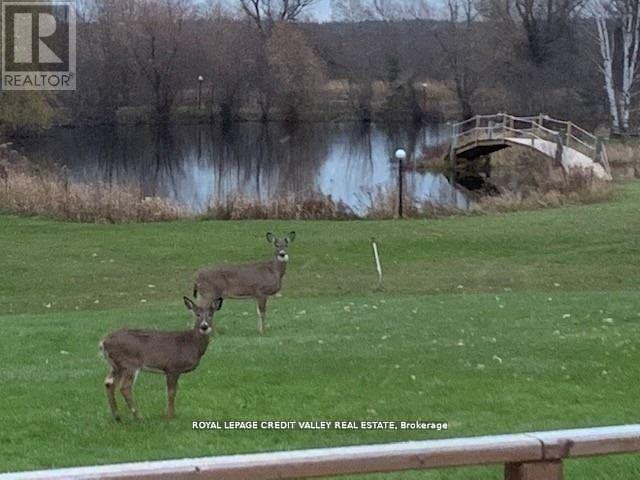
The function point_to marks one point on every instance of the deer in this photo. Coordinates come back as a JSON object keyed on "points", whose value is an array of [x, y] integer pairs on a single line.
{"points": [[257, 280], [129, 351]]}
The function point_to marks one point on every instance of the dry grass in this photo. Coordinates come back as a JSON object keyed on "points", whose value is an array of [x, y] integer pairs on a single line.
{"points": [[50, 193], [623, 153], [301, 206], [383, 204], [25, 190], [624, 158], [576, 188]]}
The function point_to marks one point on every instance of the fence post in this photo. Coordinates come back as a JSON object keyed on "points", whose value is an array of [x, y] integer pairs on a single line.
{"points": [[545, 470], [568, 134]]}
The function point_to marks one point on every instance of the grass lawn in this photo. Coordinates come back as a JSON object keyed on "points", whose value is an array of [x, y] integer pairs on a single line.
{"points": [[496, 324]]}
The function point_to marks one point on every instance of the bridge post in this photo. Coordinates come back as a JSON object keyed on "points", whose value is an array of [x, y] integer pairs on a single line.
{"points": [[454, 168], [559, 150], [544, 470], [597, 152], [541, 119], [568, 134]]}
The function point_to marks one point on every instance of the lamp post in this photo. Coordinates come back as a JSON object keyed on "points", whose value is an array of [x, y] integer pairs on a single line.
{"points": [[400, 155], [425, 87], [200, 80]]}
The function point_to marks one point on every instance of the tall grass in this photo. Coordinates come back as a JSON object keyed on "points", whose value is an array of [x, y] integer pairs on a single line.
{"points": [[300, 206], [623, 153], [624, 158], [51, 193], [25, 190], [577, 187], [382, 203]]}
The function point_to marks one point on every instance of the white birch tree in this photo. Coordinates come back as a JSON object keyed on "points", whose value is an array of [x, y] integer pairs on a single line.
{"points": [[621, 16]]}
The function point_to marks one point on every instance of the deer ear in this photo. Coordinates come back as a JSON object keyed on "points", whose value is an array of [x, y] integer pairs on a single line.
{"points": [[271, 237], [290, 238], [217, 305], [189, 303]]}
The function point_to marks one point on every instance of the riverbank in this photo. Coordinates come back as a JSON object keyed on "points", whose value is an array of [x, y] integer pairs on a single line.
{"points": [[337, 101]]}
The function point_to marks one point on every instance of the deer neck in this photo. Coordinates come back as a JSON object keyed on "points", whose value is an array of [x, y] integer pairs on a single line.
{"points": [[279, 267], [201, 341]]}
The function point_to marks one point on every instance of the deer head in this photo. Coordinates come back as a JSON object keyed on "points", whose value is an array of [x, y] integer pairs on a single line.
{"points": [[204, 315], [281, 245]]}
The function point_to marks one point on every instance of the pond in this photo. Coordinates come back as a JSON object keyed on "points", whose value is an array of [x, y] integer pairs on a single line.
{"points": [[198, 165]]}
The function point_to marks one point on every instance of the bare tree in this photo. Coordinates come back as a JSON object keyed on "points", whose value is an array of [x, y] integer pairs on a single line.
{"points": [[265, 13], [622, 15], [458, 48], [540, 22], [384, 10], [155, 36], [110, 67], [297, 70]]}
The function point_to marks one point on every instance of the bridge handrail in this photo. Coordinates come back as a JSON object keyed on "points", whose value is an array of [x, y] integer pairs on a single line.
{"points": [[571, 135], [586, 145], [525, 455]]}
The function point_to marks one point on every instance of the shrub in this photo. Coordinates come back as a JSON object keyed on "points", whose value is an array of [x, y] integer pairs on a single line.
{"points": [[24, 113]]}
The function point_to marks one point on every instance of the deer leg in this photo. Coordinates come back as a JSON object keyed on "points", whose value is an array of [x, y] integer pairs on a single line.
{"points": [[110, 384], [172, 387], [126, 388], [262, 313]]}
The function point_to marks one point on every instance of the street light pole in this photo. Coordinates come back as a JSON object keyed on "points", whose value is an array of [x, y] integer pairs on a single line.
{"points": [[200, 79], [400, 155]]}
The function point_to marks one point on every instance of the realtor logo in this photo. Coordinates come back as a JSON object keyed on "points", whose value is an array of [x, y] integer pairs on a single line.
{"points": [[39, 45]]}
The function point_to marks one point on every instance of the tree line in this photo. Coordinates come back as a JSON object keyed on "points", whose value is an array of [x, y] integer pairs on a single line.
{"points": [[388, 59]]}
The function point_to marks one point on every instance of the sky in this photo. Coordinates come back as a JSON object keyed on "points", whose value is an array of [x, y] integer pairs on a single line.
{"points": [[321, 10]]}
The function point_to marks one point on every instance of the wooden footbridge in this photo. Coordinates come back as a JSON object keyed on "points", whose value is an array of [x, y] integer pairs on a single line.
{"points": [[569, 145]]}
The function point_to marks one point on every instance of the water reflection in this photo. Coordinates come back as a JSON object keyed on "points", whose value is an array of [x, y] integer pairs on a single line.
{"points": [[200, 164]]}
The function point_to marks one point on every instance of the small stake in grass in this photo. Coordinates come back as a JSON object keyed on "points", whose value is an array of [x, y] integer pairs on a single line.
{"points": [[378, 266]]}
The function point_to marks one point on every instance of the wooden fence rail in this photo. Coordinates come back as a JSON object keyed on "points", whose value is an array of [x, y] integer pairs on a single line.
{"points": [[526, 456]]}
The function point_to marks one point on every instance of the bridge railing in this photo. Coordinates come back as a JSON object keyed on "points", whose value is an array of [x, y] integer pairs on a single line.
{"points": [[525, 456], [539, 127]]}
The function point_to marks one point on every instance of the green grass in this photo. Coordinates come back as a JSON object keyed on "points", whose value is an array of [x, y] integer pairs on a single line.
{"points": [[496, 324]]}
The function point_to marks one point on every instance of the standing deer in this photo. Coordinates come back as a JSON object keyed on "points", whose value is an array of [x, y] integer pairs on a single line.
{"points": [[254, 280], [172, 353]]}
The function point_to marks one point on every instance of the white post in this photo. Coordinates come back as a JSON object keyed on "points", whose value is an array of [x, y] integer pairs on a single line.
{"points": [[377, 258]]}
